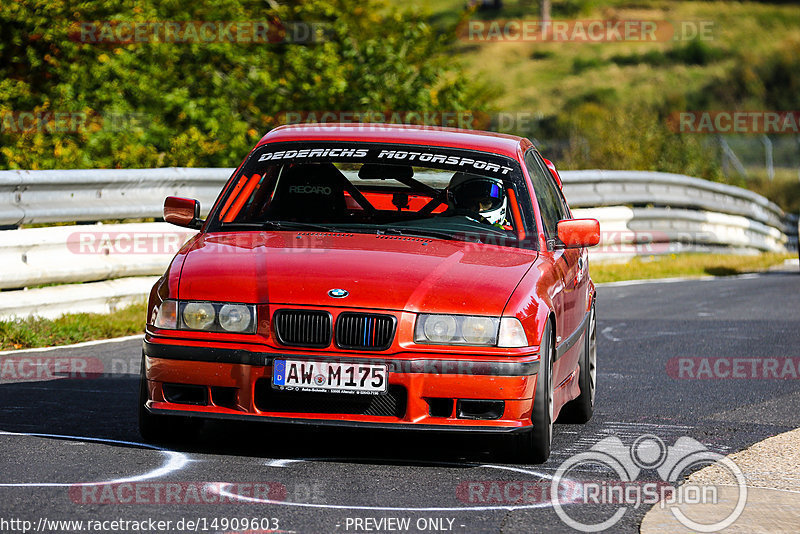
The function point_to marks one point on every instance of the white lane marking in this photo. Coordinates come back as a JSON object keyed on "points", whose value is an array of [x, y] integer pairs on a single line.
{"points": [[759, 488], [75, 345], [221, 489], [20, 385], [606, 333], [175, 462], [623, 283], [282, 462]]}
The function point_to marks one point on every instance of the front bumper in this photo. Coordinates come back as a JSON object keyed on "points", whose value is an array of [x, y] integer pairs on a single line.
{"points": [[234, 383]]}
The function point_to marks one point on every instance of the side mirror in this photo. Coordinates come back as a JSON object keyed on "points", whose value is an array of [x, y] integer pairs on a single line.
{"points": [[182, 212], [553, 171], [577, 233]]}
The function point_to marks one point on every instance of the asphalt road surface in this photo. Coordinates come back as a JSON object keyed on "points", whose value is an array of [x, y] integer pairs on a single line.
{"points": [[672, 357]]}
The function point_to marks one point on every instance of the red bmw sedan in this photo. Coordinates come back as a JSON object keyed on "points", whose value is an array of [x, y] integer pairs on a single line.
{"points": [[378, 276]]}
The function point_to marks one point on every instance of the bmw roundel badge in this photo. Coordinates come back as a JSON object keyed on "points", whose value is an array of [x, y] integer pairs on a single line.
{"points": [[338, 293]]}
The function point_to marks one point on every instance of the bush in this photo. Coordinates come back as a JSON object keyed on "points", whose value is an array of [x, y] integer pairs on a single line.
{"points": [[695, 52], [205, 104], [580, 64], [756, 83], [632, 137]]}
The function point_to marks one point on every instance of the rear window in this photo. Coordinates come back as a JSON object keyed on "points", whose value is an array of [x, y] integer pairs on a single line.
{"points": [[370, 188]]}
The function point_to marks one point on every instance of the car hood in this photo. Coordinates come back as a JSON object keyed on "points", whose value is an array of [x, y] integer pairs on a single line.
{"points": [[386, 272]]}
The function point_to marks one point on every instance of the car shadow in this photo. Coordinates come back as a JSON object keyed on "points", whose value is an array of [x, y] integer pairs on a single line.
{"points": [[106, 408]]}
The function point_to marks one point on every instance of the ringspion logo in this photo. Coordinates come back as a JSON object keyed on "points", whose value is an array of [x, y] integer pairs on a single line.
{"points": [[624, 489]]}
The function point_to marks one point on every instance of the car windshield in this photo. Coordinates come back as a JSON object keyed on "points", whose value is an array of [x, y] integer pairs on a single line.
{"points": [[370, 188]]}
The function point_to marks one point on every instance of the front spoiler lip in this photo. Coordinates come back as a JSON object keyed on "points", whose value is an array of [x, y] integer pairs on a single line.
{"points": [[338, 423], [416, 365]]}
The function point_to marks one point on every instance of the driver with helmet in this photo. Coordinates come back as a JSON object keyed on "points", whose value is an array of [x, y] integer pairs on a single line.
{"points": [[478, 197]]}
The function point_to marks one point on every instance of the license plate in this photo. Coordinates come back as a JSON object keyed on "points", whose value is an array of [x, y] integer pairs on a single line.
{"points": [[304, 375]]}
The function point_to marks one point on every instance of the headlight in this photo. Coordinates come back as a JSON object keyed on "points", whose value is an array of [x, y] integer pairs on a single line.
{"points": [[234, 317], [207, 316], [438, 328], [456, 329], [479, 330], [199, 315]]}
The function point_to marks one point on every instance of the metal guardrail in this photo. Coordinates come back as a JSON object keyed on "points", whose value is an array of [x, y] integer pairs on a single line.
{"points": [[640, 213], [628, 232], [86, 253], [91, 195], [28, 197], [594, 188]]}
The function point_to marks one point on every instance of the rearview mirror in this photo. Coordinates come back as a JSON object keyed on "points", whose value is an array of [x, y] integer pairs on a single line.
{"points": [[182, 212], [577, 233], [381, 171]]}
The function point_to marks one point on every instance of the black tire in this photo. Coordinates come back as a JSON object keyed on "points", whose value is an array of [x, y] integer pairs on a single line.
{"points": [[533, 446], [580, 409], [163, 428]]}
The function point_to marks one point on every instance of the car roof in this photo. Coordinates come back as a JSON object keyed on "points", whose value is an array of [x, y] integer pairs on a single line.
{"points": [[498, 143]]}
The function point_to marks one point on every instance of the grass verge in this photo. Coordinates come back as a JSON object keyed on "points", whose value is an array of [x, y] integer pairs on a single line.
{"points": [[674, 265], [74, 328]]}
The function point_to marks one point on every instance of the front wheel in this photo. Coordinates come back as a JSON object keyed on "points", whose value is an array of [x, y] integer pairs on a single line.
{"points": [[580, 409], [534, 445]]}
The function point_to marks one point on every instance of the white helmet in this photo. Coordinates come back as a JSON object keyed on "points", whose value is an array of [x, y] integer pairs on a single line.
{"points": [[479, 194]]}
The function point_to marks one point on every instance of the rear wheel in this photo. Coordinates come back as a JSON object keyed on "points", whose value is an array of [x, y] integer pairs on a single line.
{"points": [[534, 445], [580, 409]]}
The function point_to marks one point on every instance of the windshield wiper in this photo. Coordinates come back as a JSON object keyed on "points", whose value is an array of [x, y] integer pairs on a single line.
{"points": [[297, 225], [460, 235], [414, 231]]}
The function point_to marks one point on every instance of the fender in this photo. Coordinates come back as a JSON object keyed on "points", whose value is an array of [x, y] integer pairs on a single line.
{"points": [[166, 287], [532, 302]]}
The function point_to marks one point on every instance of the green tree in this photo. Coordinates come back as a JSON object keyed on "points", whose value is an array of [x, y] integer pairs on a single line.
{"points": [[201, 103]]}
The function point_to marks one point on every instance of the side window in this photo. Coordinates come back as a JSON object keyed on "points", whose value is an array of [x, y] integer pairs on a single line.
{"points": [[551, 204]]}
